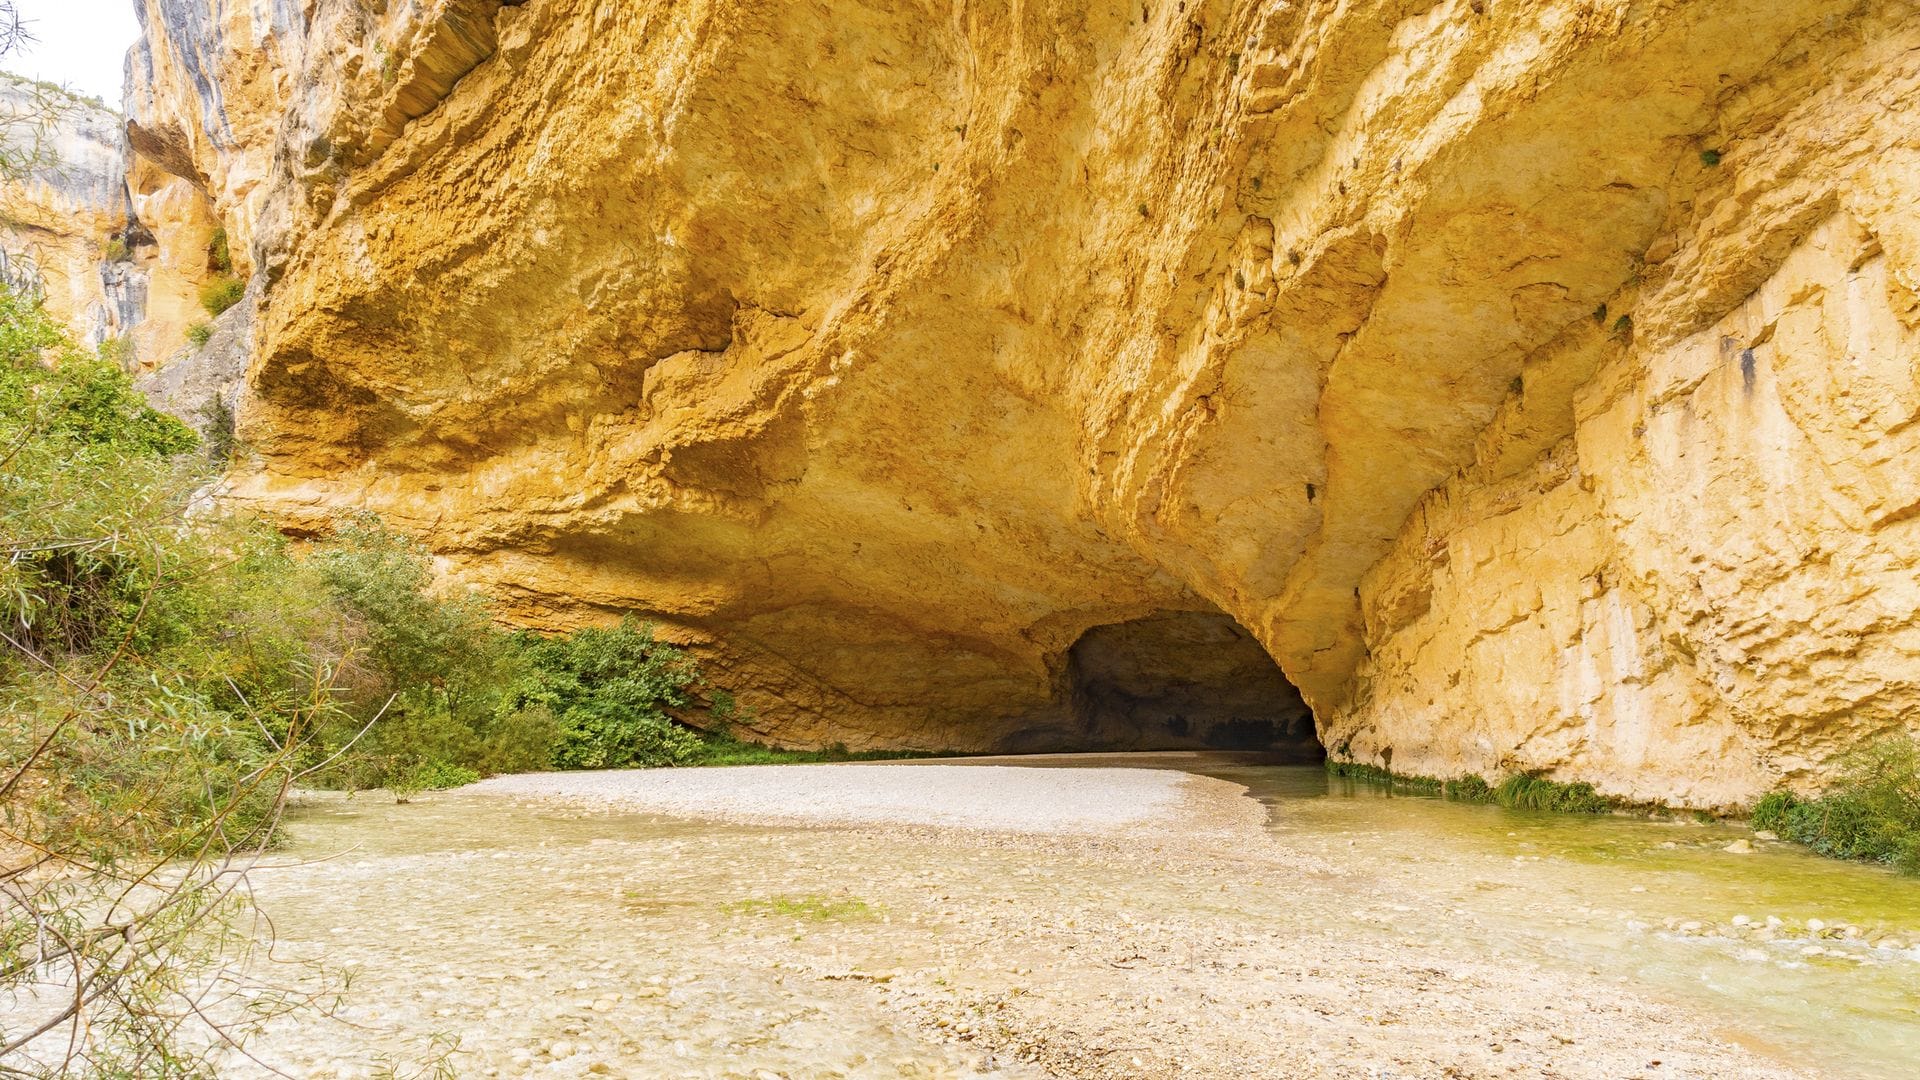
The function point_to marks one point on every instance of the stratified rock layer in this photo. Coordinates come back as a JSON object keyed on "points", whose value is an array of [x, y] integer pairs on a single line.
{"points": [[1531, 378]]}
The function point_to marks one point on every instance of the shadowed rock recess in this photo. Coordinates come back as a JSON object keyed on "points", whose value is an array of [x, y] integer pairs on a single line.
{"points": [[1532, 380]]}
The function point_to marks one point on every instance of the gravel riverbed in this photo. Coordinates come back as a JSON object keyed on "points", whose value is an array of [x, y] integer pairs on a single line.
{"points": [[911, 921], [990, 797]]}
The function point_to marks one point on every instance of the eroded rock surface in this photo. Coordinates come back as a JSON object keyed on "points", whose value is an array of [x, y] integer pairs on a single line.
{"points": [[58, 217], [1532, 379]]}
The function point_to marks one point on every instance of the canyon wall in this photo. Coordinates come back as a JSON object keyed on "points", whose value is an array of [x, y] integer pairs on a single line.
{"points": [[1530, 378], [61, 211], [115, 248]]}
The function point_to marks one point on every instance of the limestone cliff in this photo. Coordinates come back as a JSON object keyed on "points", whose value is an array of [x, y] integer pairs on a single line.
{"points": [[117, 258], [66, 206], [1532, 379]]}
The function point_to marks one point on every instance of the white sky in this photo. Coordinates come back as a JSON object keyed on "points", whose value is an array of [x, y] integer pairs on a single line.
{"points": [[81, 44]]}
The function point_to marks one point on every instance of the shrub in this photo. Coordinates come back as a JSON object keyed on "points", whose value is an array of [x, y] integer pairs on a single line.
{"points": [[430, 776], [117, 250], [219, 256], [1871, 811], [430, 679], [725, 749], [117, 351], [154, 676], [612, 692], [221, 293], [218, 434], [199, 334]]}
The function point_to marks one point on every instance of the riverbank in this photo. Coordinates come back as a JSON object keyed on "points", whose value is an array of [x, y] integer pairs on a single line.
{"points": [[546, 931]]}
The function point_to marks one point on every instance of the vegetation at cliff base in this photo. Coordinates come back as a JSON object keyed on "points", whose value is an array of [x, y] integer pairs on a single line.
{"points": [[1522, 791], [1871, 811], [1529, 792], [170, 672]]}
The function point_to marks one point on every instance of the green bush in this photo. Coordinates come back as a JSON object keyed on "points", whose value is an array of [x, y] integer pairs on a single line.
{"points": [[612, 692], [429, 665], [219, 437], [199, 334], [1871, 811], [221, 293], [117, 351], [117, 250], [131, 650]]}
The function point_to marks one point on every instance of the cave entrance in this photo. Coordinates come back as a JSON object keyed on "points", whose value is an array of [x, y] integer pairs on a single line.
{"points": [[1175, 680]]}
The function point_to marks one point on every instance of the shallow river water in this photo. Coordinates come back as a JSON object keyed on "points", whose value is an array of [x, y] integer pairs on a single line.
{"points": [[559, 942], [1653, 903]]}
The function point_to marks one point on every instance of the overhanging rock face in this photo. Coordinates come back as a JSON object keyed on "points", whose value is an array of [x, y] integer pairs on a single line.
{"points": [[1531, 379]]}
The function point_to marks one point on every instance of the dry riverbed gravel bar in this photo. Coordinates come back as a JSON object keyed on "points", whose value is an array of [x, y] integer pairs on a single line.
{"points": [[553, 932]]}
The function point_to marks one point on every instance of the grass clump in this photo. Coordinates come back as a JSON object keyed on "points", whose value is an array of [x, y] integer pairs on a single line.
{"points": [[1870, 812], [1374, 774], [1469, 788], [117, 250], [199, 334], [221, 293], [1526, 791], [1529, 791]]}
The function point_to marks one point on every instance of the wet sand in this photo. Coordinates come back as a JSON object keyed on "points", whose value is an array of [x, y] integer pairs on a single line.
{"points": [[555, 932]]}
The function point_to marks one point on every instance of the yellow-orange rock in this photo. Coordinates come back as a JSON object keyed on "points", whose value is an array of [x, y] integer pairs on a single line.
{"points": [[58, 216], [1531, 378]]}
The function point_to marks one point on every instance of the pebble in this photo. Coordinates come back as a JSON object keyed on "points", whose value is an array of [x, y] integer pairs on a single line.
{"points": [[1816, 925], [1742, 920], [1739, 847], [1766, 834]]}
